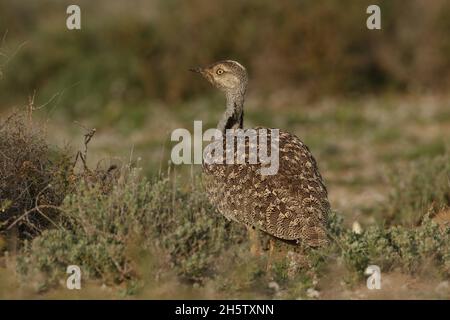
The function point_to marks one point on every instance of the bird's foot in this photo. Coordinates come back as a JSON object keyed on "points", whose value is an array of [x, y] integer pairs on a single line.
{"points": [[255, 246]]}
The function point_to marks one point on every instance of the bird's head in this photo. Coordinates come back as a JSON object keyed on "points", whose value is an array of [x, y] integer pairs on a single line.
{"points": [[228, 75]]}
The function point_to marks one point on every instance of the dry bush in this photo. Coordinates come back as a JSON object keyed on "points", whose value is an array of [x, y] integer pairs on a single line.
{"points": [[34, 177]]}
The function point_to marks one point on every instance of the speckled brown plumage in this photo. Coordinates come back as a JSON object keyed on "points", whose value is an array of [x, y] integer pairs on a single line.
{"points": [[290, 205]]}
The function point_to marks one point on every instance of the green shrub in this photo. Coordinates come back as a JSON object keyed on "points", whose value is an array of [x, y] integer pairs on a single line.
{"points": [[412, 250], [101, 231], [107, 234]]}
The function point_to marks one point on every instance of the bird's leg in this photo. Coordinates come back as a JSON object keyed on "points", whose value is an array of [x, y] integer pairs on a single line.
{"points": [[255, 248], [270, 254]]}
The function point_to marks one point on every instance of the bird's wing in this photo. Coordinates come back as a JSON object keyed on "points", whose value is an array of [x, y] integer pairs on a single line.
{"points": [[291, 204]]}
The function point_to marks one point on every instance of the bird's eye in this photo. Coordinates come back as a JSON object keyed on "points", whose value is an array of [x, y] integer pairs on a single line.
{"points": [[219, 71]]}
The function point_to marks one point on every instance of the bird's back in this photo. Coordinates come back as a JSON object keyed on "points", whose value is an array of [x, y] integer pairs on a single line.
{"points": [[291, 204]]}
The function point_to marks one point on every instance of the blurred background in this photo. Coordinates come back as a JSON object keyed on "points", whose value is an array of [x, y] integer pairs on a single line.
{"points": [[367, 102], [138, 51]]}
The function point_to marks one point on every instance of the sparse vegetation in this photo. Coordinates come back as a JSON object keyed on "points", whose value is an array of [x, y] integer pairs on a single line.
{"points": [[108, 232], [103, 233], [419, 187], [413, 250]]}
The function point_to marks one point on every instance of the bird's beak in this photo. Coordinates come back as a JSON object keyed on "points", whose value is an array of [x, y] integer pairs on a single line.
{"points": [[204, 73], [196, 70]]}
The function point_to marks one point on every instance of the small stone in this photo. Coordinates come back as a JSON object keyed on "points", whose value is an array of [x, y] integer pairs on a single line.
{"points": [[356, 227], [274, 286], [312, 293], [442, 287]]}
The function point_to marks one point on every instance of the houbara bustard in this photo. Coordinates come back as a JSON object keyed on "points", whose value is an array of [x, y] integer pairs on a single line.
{"points": [[291, 205]]}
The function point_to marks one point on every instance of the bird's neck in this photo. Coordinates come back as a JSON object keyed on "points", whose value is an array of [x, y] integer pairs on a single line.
{"points": [[233, 117]]}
